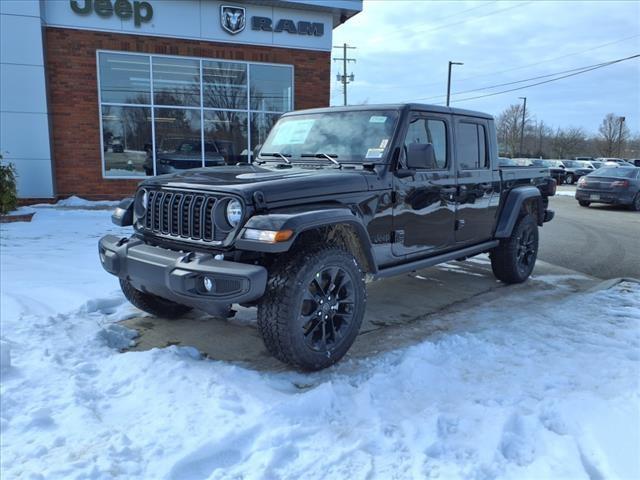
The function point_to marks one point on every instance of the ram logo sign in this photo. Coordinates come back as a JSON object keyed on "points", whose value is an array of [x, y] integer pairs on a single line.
{"points": [[232, 19]]}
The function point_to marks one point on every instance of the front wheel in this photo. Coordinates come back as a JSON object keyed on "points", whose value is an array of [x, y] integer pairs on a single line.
{"points": [[313, 307], [570, 180], [583, 203], [513, 260]]}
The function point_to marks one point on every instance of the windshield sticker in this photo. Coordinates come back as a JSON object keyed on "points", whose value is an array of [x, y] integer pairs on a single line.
{"points": [[383, 143], [377, 119], [374, 153], [293, 132]]}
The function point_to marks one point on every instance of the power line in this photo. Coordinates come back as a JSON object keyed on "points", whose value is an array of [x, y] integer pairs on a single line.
{"points": [[494, 73], [515, 82], [471, 19], [466, 79], [595, 67]]}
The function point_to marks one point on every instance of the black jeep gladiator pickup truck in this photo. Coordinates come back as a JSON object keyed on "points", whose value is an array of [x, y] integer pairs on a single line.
{"points": [[335, 197]]}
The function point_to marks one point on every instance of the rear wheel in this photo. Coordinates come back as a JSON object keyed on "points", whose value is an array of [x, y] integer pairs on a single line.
{"points": [[584, 203], [635, 205], [513, 260], [152, 304], [313, 307]]}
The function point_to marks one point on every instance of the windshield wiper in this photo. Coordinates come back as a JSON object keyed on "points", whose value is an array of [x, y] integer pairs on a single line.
{"points": [[329, 156], [283, 156]]}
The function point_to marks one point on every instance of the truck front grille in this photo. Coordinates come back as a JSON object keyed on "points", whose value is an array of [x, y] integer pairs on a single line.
{"points": [[185, 215]]}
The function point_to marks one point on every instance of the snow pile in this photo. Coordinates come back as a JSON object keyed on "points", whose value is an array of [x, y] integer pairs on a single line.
{"points": [[77, 202], [565, 193], [522, 387]]}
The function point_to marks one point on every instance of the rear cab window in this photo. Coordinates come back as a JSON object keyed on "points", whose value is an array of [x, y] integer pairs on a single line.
{"points": [[471, 145]]}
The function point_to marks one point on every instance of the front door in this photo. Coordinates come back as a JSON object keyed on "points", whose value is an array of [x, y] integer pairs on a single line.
{"points": [[478, 182], [424, 207]]}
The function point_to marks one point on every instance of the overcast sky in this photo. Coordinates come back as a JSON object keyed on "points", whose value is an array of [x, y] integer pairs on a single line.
{"points": [[403, 48]]}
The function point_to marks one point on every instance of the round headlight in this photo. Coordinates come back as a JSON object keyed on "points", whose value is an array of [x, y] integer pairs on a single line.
{"points": [[234, 212], [141, 203]]}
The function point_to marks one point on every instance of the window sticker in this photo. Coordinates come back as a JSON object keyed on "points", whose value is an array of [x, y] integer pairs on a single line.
{"points": [[377, 119], [374, 153], [384, 142], [293, 132]]}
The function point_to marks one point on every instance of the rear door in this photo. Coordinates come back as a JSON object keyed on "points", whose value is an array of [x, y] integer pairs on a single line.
{"points": [[478, 180], [424, 208]]}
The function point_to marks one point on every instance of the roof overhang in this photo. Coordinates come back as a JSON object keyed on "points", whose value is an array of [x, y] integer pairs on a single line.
{"points": [[342, 10]]}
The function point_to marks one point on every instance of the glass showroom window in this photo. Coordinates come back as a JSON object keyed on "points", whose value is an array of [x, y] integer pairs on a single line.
{"points": [[162, 114]]}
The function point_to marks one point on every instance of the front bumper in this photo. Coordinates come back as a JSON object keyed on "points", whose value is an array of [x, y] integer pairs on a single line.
{"points": [[623, 197], [179, 276]]}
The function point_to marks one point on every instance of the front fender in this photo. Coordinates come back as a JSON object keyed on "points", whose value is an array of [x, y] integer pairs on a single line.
{"points": [[301, 222], [512, 206]]}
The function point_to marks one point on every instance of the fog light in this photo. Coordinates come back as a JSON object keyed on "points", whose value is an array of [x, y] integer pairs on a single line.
{"points": [[209, 284]]}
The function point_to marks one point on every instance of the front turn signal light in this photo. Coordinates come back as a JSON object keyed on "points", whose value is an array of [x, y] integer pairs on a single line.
{"points": [[267, 236]]}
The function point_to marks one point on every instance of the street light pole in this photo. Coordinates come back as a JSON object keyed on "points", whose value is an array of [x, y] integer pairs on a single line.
{"points": [[449, 80], [621, 120], [524, 113]]}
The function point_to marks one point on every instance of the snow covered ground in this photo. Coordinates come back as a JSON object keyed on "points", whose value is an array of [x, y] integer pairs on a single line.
{"points": [[520, 387]]}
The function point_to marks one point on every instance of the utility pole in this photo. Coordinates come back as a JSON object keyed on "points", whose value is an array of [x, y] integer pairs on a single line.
{"points": [[449, 80], [621, 120], [344, 78], [524, 113]]}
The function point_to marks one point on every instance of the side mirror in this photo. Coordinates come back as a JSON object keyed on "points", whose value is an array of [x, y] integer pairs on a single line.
{"points": [[421, 156]]}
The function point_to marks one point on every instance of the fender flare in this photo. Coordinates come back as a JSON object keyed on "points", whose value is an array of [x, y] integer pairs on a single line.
{"points": [[301, 222], [511, 210]]}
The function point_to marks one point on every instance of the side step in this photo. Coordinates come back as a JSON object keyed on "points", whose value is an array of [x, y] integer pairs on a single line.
{"points": [[435, 260]]}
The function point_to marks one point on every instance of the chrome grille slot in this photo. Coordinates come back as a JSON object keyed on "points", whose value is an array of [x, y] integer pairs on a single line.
{"points": [[186, 215]]}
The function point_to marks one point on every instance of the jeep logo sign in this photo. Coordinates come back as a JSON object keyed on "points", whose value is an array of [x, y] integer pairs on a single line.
{"points": [[141, 12], [232, 18]]}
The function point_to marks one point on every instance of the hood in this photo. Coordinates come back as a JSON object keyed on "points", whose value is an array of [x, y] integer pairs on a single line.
{"points": [[276, 183]]}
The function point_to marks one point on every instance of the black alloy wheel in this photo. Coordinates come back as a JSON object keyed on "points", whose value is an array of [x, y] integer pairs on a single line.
{"points": [[313, 307], [327, 308], [514, 259], [526, 249]]}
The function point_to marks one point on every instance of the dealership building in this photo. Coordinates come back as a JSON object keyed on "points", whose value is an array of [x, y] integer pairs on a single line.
{"points": [[97, 94]]}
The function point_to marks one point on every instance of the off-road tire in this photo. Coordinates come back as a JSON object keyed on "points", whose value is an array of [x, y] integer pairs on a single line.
{"points": [[583, 203], [280, 312], [513, 260], [635, 204], [152, 304]]}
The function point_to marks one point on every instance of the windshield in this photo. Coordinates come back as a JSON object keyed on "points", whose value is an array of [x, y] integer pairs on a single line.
{"points": [[572, 164], [617, 172], [355, 136]]}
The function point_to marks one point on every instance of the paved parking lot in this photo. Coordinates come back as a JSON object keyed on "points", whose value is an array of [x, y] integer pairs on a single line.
{"points": [[401, 311], [601, 240]]}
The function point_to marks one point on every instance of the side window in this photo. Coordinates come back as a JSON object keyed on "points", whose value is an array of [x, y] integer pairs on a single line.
{"points": [[471, 146], [422, 130]]}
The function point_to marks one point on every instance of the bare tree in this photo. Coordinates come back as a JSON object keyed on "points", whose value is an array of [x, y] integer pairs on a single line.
{"points": [[509, 126], [568, 142], [613, 135]]}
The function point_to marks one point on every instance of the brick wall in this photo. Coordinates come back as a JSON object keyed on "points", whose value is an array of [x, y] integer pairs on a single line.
{"points": [[73, 95]]}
